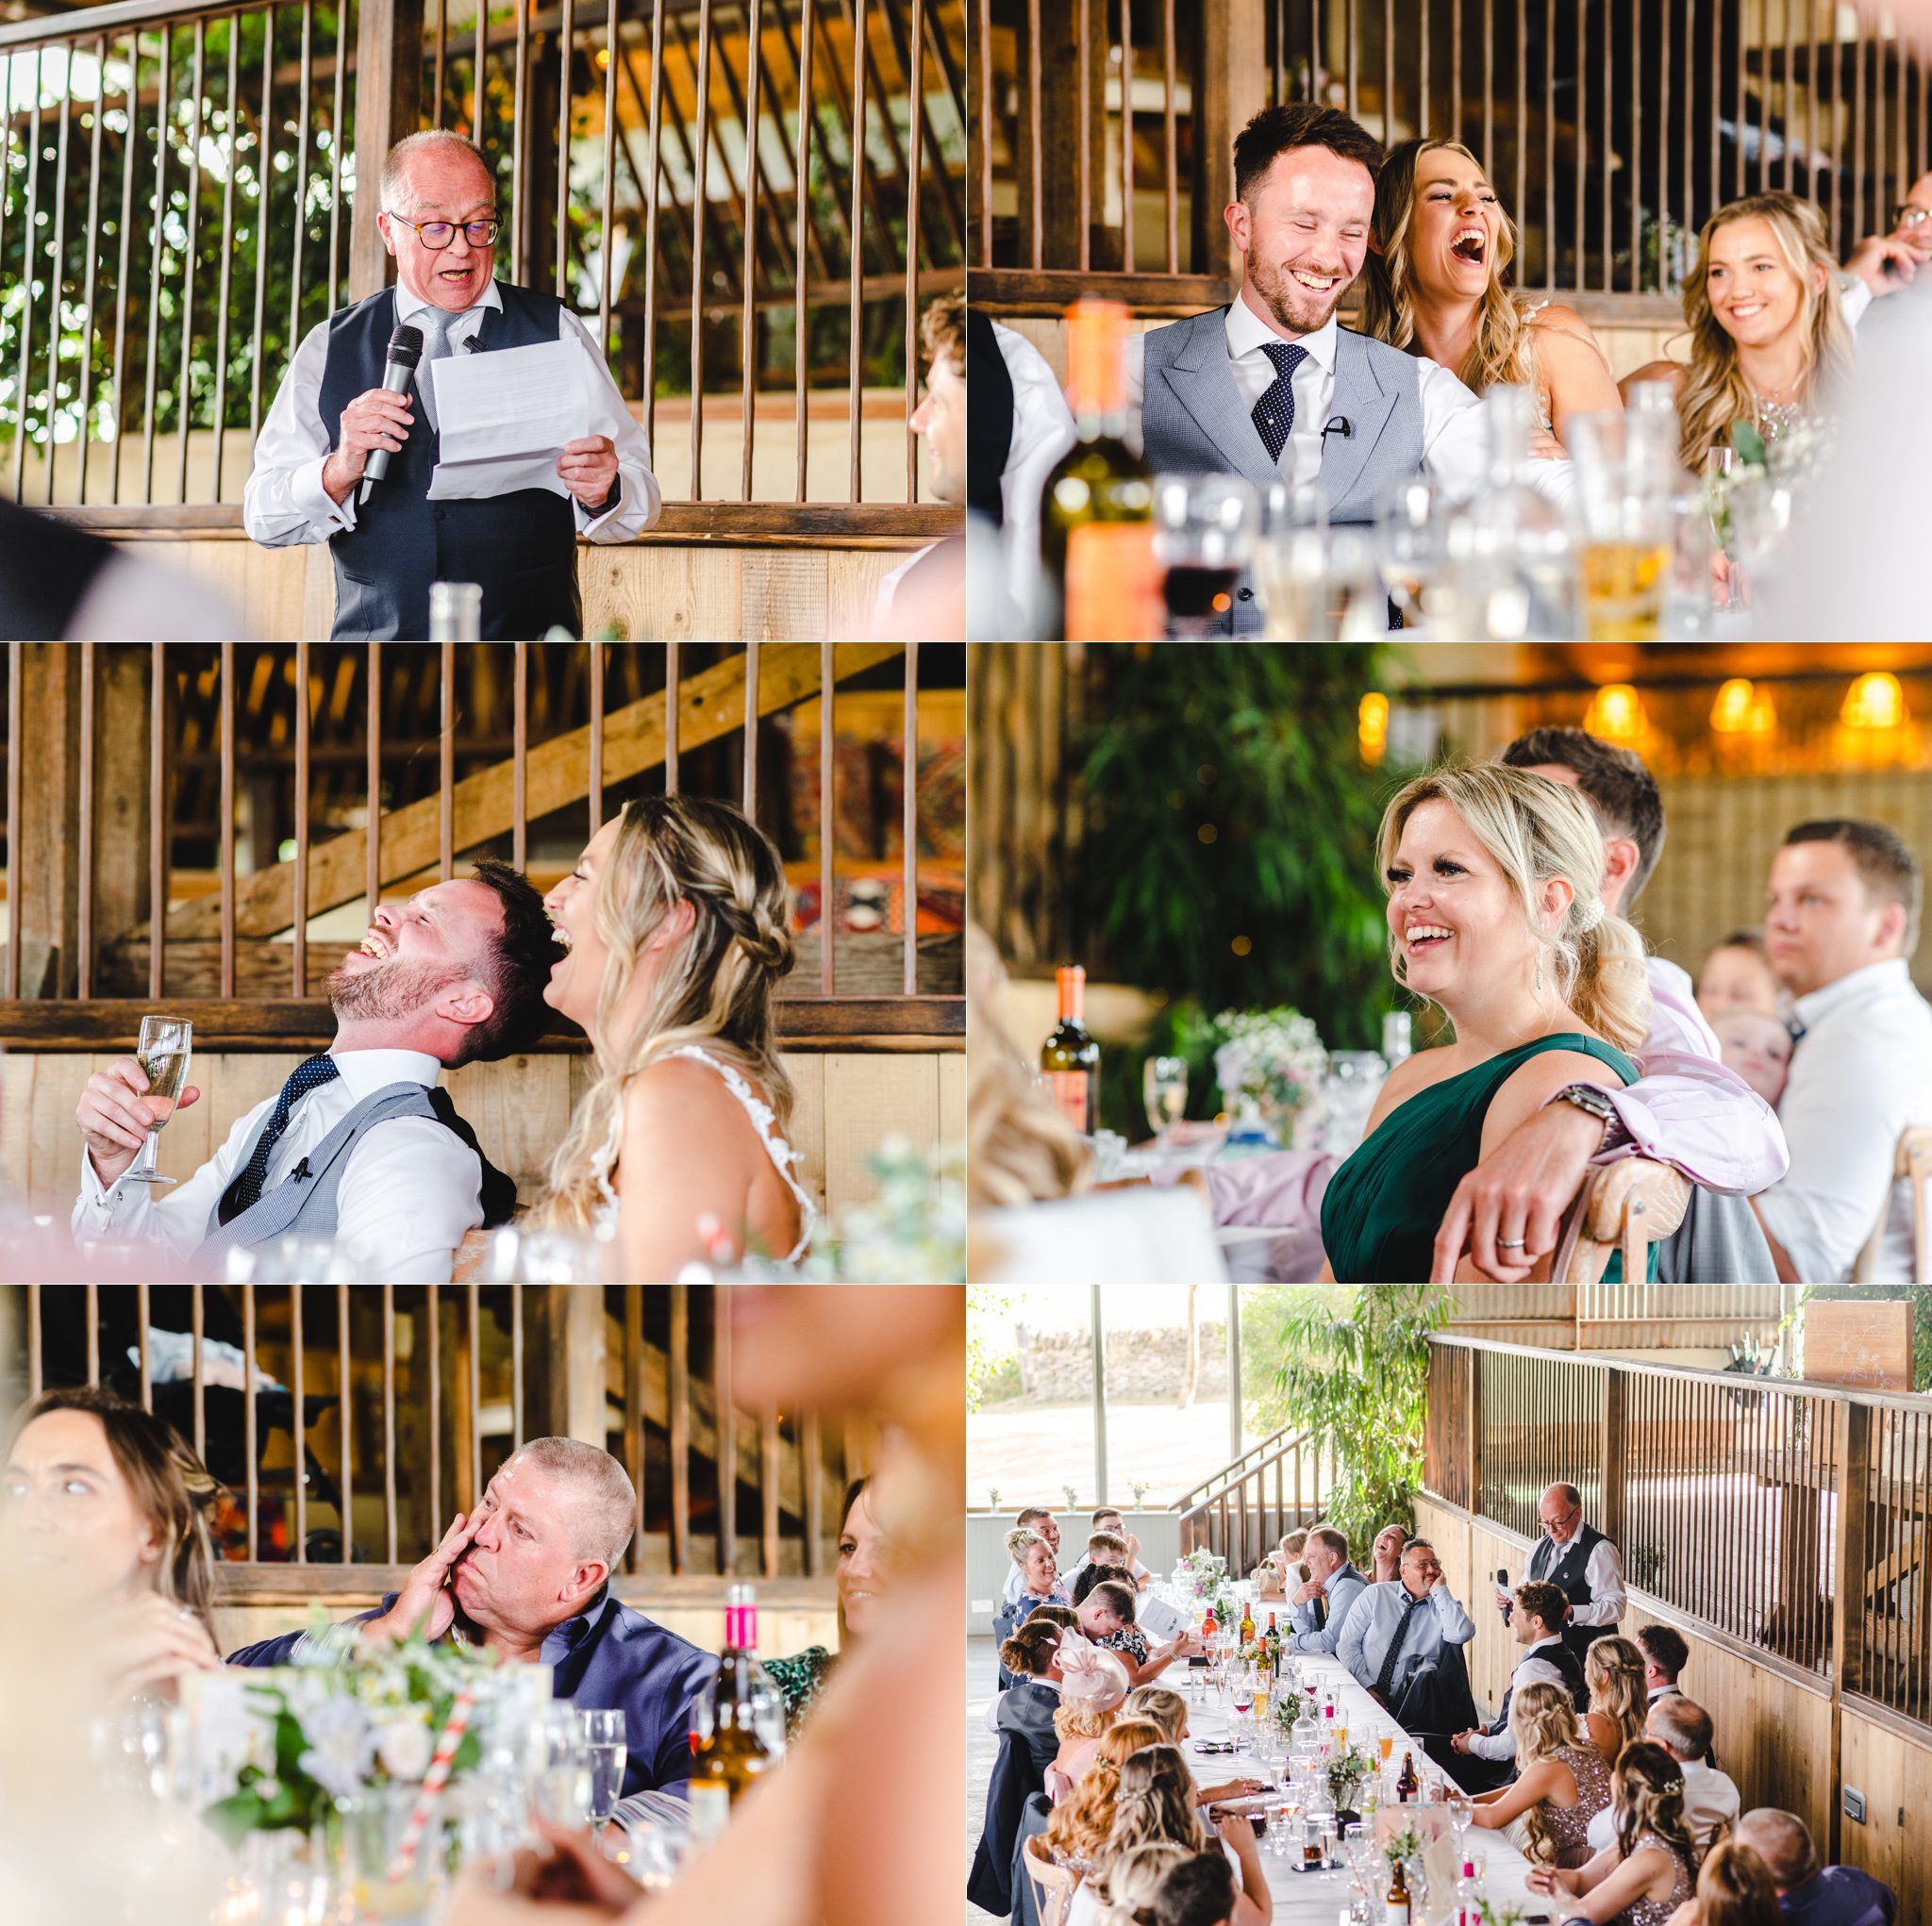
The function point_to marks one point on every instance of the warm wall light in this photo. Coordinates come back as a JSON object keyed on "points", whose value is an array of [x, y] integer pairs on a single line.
{"points": [[1616, 714], [1874, 701], [1372, 727], [1742, 709]]}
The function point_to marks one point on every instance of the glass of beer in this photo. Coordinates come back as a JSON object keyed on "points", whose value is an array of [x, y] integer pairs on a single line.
{"points": [[165, 1048]]}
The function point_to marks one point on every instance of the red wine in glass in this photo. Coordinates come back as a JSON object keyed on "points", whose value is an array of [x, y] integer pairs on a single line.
{"points": [[1196, 592]]}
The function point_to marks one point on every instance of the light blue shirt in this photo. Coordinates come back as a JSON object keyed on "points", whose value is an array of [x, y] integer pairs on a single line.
{"points": [[1342, 1591], [1374, 1620]]}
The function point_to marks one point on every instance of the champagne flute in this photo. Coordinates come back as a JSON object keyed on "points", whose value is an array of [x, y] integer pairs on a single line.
{"points": [[1164, 1091], [165, 1049], [604, 1741]]}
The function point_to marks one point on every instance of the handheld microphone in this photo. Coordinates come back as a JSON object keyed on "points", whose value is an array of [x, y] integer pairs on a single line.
{"points": [[398, 376], [1502, 1585], [1338, 425]]}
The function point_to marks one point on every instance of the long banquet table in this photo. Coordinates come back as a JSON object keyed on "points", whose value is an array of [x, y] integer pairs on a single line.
{"points": [[1316, 1899]]}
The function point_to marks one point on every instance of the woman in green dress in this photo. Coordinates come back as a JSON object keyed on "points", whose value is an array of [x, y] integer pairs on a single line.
{"points": [[803, 1676], [1496, 917]]}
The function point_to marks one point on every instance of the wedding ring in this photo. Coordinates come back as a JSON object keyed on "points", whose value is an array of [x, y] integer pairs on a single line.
{"points": [[1510, 1243]]}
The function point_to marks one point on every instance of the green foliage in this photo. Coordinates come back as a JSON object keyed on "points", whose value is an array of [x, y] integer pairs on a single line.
{"points": [[1226, 799], [988, 1366], [1356, 1375]]}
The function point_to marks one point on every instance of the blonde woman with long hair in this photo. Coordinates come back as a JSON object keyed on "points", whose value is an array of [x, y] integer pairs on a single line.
{"points": [[1562, 1782], [1434, 285], [1082, 1821], [1619, 1699], [676, 920], [1768, 341], [1649, 1868], [1494, 878]]}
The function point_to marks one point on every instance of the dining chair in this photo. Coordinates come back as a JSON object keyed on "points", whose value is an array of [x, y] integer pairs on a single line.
{"points": [[1911, 1160], [1052, 1885], [1627, 1205]]}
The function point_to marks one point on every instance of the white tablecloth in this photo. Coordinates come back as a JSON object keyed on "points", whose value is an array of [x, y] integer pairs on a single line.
{"points": [[1319, 1899]]}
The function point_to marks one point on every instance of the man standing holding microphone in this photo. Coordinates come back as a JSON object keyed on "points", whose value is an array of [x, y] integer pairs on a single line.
{"points": [[333, 413]]}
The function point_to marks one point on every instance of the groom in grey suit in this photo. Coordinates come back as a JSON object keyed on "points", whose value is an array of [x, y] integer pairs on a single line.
{"points": [[1272, 386]]}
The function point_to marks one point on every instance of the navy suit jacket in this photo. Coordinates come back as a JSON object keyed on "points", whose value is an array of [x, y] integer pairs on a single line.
{"points": [[608, 1659]]}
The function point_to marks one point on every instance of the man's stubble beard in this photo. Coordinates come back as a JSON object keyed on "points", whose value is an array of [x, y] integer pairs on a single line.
{"points": [[390, 993], [1293, 306]]}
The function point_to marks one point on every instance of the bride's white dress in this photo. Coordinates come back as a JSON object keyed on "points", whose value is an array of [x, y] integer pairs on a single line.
{"points": [[765, 1123]]}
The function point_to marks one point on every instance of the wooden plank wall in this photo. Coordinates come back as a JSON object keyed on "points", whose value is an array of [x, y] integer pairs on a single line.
{"points": [[847, 1102], [1773, 1730], [704, 590]]}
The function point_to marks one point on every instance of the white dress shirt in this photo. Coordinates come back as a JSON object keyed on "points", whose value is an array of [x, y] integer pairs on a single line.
{"points": [[1602, 1571], [1710, 1801], [409, 1189], [1862, 1074], [284, 502], [1455, 436], [1042, 433], [1530, 1670]]}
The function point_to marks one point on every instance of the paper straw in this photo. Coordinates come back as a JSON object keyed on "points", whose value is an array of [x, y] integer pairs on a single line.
{"points": [[433, 1782]]}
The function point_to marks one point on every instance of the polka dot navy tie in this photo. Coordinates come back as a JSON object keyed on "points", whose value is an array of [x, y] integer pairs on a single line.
{"points": [[247, 1188], [1273, 415]]}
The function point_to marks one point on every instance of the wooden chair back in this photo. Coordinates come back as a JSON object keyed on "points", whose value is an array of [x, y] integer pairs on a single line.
{"points": [[1052, 1885], [1912, 1159], [1629, 1206]]}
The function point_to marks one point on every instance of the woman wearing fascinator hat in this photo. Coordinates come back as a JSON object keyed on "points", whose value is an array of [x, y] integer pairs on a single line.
{"points": [[1092, 1683], [1494, 876], [1650, 1868]]}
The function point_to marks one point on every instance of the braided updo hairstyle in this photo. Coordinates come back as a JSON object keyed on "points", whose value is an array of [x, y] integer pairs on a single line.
{"points": [[716, 988]]}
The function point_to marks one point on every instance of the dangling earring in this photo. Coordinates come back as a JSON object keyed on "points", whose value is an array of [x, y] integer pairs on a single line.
{"points": [[1538, 975]]}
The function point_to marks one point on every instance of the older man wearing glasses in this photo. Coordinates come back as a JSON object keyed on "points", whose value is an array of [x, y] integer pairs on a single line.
{"points": [[1579, 1561], [390, 540]]}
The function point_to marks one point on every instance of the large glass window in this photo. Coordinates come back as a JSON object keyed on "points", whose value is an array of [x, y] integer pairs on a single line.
{"points": [[1029, 1438]]}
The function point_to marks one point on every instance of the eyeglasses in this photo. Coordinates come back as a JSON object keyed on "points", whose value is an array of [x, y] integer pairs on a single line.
{"points": [[1911, 217], [437, 235]]}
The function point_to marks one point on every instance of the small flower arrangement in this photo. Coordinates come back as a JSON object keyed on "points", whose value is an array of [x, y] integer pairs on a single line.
{"points": [[1495, 1913], [1205, 1573], [363, 1716], [1407, 1845], [1346, 1771], [1271, 1058]]}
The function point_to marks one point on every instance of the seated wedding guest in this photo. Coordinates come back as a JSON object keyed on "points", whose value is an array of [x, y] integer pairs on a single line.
{"points": [[1563, 1783], [1259, 388], [1082, 1821], [1758, 1048], [1810, 1894], [360, 1145], [1105, 1552], [528, 1574], [1035, 1519], [1841, 923], [1039, 1582], [1319, 1607], [1112, 1522], [1156, 1803], [1737, 974], [1384, 1554], [1889, 261], [1613, 1672], [1135, 1877], [106, 1507], [1665, 1655], [1397, 1638], [860, 1577], [1028, 1707], [1437, 254], [1092, 1575], [1169, 1711], [1282, 1568], [1770, 345], [1734, 1888], [1200, 1891], [1649, 1868], [1018, 426], [1106, 1617], [1711, 1802], [1092, 1683], [1494, 880], [675, 926], [915, 598], [1581, 1562], [1535, 1622]]}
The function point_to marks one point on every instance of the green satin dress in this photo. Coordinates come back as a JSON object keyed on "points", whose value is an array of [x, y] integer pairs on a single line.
{"points": [[1385, 1204]]}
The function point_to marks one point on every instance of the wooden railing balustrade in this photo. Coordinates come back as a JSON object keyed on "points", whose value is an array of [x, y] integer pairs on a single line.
{"points": [[1236, 1516]]}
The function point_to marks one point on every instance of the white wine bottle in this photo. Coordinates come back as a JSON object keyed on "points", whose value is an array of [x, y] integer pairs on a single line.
{"points": [[1070, 1058]]}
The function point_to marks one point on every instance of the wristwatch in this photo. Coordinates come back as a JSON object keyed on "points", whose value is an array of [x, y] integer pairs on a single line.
{"points": [[1590, 1097]]}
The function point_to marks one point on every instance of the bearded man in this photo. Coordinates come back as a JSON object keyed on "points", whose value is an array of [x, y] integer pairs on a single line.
{"points": [[359, 1144]]}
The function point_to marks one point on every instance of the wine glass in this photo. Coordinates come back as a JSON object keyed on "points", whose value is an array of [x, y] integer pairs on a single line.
{"points": [[1242, 1699], [1164, 1091], [165, 1048], [1460, 1816], [1292, 563], [563, 1783], [1205, 528], [1412, 522], [604, 1741]]}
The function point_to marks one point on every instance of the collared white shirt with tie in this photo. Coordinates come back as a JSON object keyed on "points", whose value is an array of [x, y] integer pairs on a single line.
{"points": [[1530, 1670], [284, 502], [1455, 436], [410, 1187]]}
